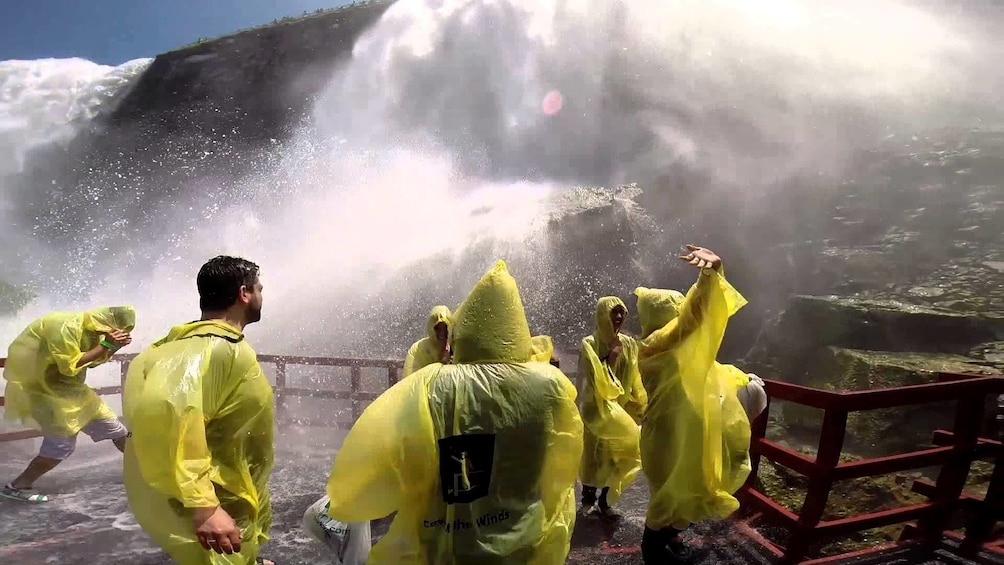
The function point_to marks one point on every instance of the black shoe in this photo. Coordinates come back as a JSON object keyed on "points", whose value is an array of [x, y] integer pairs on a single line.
{"points": [[608, 513], [665, 547], [678, 551]]}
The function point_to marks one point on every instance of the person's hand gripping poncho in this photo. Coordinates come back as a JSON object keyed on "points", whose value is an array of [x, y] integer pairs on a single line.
{"points": [[201, 415], [695, 437], [610, 454], [478, 458], [426, 351], [46, 386]]}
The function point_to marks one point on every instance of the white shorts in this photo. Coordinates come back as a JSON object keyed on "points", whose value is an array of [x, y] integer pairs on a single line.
{"points": [[59, 448]]}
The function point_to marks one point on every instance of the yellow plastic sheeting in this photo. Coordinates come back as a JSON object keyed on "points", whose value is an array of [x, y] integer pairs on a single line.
{"points": [[543, 348], [46, 386], [610, 454], [426, 351], [695, 437], [201, 415], [478, 459]]}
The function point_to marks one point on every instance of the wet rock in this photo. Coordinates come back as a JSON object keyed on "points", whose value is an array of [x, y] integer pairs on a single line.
{"points": [[847, 499], [990, 354], [13, 298], [889, 431], [786, 347]]}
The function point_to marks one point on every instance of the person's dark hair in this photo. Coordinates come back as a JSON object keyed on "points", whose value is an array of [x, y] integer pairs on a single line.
{"points": [[220, 281]]}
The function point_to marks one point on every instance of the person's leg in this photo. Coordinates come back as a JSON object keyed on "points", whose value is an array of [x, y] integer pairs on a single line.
{"points": [[114, 430], [588, 496], [38, 467], [50, 454], [664, 546], [605, 509]]}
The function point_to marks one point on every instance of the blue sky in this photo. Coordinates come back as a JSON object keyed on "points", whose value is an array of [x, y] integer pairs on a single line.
{"points": [[114, 31]]}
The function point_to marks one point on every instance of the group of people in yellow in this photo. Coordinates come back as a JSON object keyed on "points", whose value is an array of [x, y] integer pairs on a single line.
{"points": [[477, 450]]}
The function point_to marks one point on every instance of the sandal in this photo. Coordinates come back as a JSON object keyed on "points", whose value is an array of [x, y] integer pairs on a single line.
{"points": [[22, 494]]}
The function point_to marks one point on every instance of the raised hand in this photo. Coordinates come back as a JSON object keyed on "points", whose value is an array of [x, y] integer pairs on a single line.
{"points": [[702, 258]]}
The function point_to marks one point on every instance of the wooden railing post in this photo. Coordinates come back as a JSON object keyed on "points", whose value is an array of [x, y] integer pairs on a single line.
{"points": [[280, 386], [123, 371], [987, 512], [831, 444], [758, 431], [955, 471], [355, 376]]}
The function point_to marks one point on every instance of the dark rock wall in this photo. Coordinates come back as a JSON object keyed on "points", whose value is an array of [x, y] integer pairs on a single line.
{"points": [[914, 222]]}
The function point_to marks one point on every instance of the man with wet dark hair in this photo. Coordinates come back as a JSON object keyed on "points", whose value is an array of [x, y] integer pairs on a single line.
{"points": [[220, 281], [201, 413]]}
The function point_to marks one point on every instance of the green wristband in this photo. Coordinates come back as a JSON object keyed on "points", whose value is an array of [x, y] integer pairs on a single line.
{"points": [[109, 346]]}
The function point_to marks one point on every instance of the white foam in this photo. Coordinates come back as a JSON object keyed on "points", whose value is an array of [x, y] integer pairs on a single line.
{"points": [[431, 141], [48, 100]]}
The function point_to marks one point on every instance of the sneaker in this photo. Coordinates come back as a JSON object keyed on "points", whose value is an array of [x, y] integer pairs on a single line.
{"points": [[22, 494], [608, 513]]}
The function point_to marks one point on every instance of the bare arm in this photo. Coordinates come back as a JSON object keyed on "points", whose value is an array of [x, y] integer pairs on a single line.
{"points": [[694, 306]]}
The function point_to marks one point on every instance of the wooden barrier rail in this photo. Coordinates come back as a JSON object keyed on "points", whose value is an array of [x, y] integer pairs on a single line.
{"points": [[283, 392], [955, 453]]}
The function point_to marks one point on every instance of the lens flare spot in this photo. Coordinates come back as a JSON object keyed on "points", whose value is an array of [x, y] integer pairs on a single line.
{"points": [[552, 103]]}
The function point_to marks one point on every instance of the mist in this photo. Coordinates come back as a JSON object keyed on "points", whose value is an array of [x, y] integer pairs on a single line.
{"points": [[438, 147]]}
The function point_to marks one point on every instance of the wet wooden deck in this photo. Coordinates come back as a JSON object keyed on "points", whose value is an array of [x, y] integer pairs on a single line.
{"points": [[89, 521]]}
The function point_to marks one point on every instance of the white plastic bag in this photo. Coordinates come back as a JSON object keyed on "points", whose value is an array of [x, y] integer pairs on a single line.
{"points": [[350, 543], [753, 397]]}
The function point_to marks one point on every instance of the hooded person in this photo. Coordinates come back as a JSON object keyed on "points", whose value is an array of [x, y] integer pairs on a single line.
{"points": [[612, 405], [435, 347], [46, 370], [695, 437], [478, 458], [543, 348], [201, 413]]}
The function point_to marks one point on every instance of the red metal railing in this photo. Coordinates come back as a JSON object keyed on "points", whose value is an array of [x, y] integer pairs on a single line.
{"points": [[954, 452]]}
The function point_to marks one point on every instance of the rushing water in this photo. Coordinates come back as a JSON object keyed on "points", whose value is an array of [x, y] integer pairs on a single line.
{"points": [[453, 135]]}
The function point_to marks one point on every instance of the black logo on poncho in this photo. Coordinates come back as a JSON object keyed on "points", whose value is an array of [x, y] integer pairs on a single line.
{"points": [[465, 467]]}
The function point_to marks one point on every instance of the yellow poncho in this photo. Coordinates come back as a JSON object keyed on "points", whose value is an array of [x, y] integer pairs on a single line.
{"points": [[426, 351], [201, 415], [46, 386], [695, 437], [478, 458], [610, 455], [542, 347]]}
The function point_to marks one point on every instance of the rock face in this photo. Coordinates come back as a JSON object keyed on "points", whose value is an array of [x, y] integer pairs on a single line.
{"points": [[907, 284], [896, 430], [205, 115], [904, 253]]}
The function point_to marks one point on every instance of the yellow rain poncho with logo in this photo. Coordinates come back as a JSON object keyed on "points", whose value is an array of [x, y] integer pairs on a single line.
{"points": [[478, 458], [46, 386], [695, 438], [612, 404], [201, 415], [426, 351]]}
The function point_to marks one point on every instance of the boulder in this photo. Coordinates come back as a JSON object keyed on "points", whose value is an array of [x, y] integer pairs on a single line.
{"points": [[889, 431], [786, 346]]}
